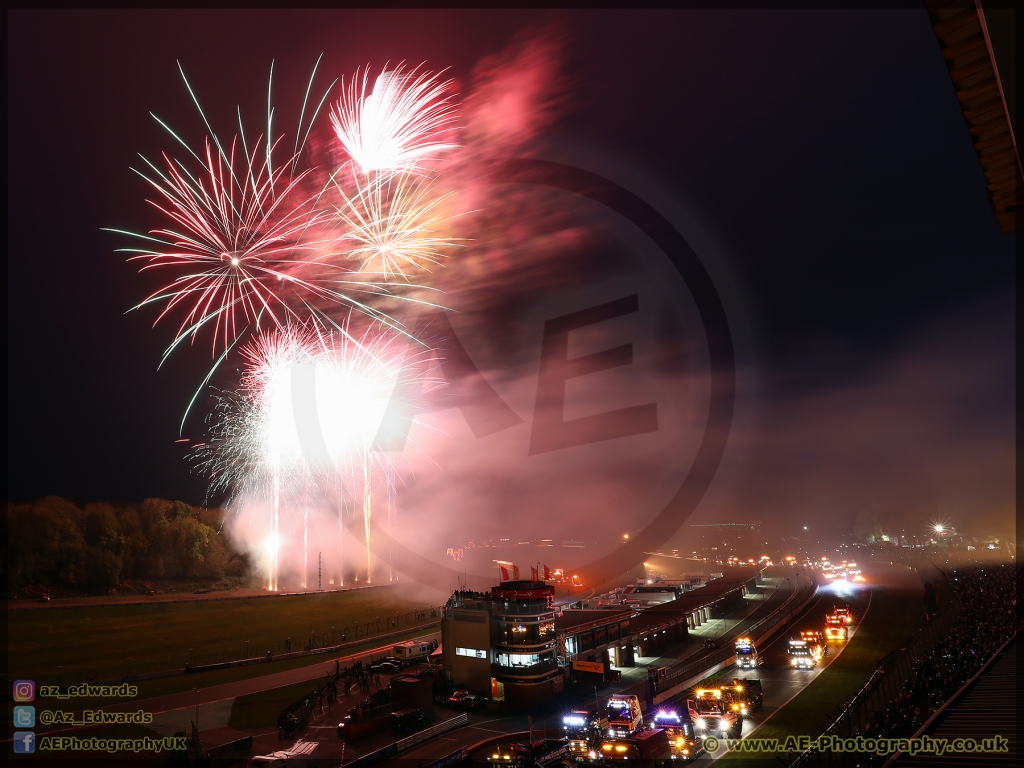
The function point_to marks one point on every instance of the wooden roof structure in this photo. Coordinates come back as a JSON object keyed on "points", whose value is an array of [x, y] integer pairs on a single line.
{"points": [[966, 44]]}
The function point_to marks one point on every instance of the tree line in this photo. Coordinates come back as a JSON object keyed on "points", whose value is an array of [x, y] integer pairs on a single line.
{"points": [[54, 543]]}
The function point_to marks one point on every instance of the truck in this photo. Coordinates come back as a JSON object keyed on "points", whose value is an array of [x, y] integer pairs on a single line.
{"points": [[646, 749], [816, 642], [682, 736], [302, 753], [582, 729], [542, 753], [747, 656], [412, 651], [624, 715], [835, 628], [800, 655], [711, 714], [843, 612], [744, 695]]}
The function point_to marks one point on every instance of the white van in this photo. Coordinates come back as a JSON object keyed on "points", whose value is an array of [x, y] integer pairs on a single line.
{"points": [[412, 650], [301, 753]]}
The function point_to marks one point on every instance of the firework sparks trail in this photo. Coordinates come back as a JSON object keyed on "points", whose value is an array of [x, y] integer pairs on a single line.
{"points": [[249, 238], [240, 225], [256, 247], [393, 222], [261, 448], [399, 124], [359, 382], [272, 360], [240, 233]]}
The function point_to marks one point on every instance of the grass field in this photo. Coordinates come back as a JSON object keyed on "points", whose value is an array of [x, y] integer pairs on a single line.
{"points": [[111, 641]]}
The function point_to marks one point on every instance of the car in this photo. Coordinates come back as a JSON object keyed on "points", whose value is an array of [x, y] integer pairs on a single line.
{"points": [[388, 667], [472, 702], [458, 696], [45, 598]]}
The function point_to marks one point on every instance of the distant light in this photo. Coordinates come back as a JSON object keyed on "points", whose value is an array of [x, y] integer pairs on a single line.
{"points": [[939, 528], [625, 535], [805, 527]]}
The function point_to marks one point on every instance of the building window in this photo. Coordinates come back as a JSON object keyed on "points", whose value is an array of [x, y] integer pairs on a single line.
{"points": [[473, 653], [518, 659]]}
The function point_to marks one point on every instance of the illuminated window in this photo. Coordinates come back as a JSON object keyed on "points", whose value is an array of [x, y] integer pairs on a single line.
{"points": [[473, 653], [518, 659]]}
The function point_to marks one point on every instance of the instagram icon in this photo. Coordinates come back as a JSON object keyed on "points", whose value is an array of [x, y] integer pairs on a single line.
{"points": [[24, 690]]}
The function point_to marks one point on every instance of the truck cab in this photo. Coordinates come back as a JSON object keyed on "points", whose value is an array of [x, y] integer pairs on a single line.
{"points": [[800, 656], [747, 656], [816, 642], [624, 716], [646, 749], [582, 729], [835, 628], [711, 715], [844, 613], [682, 735]]}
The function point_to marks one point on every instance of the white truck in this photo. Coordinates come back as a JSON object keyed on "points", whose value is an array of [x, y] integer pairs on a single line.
{"points": [[302, 753], [411, 651]]}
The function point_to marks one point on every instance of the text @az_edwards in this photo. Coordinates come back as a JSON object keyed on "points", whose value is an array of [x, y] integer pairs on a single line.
{"points": [[94, 717]]}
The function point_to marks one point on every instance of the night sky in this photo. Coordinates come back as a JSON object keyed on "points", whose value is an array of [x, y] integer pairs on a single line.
{"points": [[822, 152]]}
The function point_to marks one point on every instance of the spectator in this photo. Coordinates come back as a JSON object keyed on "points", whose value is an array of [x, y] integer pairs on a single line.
{"points": [[986, 597]]}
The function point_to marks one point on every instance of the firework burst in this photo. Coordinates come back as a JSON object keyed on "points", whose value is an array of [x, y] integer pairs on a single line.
{"points": [[393, 225], [309, 419], [249, 237], [241, 224], [399, 124]]}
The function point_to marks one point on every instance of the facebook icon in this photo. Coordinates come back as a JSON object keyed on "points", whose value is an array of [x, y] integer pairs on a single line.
{"points": [[24, 742]]}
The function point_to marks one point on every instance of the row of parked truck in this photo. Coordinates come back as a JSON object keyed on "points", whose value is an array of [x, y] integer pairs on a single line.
{"points": [[670, 732], [677, 732]]}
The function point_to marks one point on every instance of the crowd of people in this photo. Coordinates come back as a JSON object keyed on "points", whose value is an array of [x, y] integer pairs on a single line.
{"points": [[356, 677], [985, 597]]}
